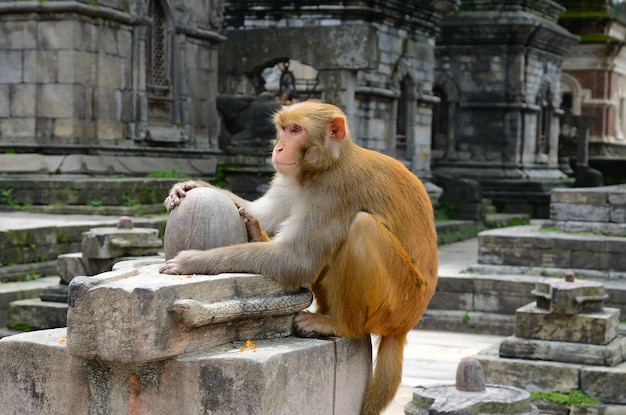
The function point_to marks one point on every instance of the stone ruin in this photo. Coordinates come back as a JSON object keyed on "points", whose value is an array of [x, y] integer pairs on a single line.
{"points": [[565, 341], [142, 342]]}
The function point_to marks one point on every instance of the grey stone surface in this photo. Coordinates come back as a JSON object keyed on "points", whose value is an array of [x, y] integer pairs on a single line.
{"points": [[142, 326], [605, 383], [563, 296], [598, 327], [12, 291], [611, 354], [445, 399], [267, 377], [37, 314], [113, 242], [531, 376]]}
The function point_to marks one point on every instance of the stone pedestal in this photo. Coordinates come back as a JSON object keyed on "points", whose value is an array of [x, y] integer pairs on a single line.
{"points": [[140, 342], [276, 376]]}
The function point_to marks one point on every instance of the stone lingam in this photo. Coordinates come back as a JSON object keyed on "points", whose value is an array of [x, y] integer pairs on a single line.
{"points": [[140, 342], [470, 395]]}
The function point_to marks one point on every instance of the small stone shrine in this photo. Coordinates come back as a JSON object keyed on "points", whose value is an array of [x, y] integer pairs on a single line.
{"points": [[470, 395], [498, 70], [565, 341]]}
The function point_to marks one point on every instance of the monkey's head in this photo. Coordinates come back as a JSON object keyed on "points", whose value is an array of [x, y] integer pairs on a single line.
{"points": [[309, 137]]}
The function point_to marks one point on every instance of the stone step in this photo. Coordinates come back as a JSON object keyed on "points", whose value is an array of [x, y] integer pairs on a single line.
{"points": [[488, 303], [531, 246], [31, 242], [35, 314], [14, 291], [450, 231], [80, 194]]}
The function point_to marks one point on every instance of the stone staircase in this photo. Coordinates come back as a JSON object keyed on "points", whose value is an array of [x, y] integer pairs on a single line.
{"points": [[585, 235]]}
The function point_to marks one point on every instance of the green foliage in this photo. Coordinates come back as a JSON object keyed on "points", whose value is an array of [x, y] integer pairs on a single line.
{"points": [[96, 203], [576, 398], [220, 178], [8, 198], [22, 327], [129, 201], [173, 173], [32, 276]]}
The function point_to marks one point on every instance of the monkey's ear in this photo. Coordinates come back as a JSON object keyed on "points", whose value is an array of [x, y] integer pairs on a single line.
{"points": [[337, 129]]}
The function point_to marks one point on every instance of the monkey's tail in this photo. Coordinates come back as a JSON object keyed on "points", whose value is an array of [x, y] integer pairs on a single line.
{"points": [[387, 375]]}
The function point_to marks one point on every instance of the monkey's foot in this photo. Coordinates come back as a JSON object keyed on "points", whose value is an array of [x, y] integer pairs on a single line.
{"points": [[314, 325]]}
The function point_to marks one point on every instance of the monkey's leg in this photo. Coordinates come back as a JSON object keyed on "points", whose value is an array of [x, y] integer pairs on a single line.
{"points": [[371, 285]]}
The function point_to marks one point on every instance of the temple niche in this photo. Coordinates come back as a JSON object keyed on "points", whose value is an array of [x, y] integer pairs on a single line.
{"points": [[374, 59], [498, 83], [128, 78]]}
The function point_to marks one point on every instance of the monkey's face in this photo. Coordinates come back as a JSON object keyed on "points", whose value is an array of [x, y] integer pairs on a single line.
{"points": [[291, 143]]}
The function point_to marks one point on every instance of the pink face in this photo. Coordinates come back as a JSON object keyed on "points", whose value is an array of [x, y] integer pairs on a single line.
{"points": [[291, 142]]}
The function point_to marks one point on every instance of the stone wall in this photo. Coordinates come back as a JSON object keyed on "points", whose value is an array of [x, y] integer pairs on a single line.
{"points": [[79, 77]]}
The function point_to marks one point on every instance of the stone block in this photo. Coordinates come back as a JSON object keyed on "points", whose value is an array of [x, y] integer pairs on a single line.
{"points": [[55, 101], [74, 264], [158, 316], [443, 300], [76, 67], [38, 373], [58, 34], [598, 327], [13, 291], [618, 214], [611, 354], [23, 100], [19, 34], [276, 376], [5, 107], [533, 376], [12, 67], [579, 212], [40, 66], [105, 243], [37, 314], [605, 383], [586, 196]]}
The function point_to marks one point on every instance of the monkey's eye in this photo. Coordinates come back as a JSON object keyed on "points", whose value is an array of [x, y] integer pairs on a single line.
{"points": [[296, 129]]}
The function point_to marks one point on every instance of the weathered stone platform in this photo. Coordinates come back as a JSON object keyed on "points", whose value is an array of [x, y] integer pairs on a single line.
{"points": [[141, 342], [277, 376]]}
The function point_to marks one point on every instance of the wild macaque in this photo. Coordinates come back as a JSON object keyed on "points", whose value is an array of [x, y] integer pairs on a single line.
{"points": [[353, 224]]}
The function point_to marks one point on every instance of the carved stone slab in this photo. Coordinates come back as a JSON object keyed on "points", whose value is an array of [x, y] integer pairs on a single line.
{"points": [[569, 297], [135, 314]]}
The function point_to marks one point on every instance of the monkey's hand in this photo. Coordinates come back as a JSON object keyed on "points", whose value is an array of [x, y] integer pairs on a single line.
{"points": [[255, 232], [185, 262], [178, 191]]}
